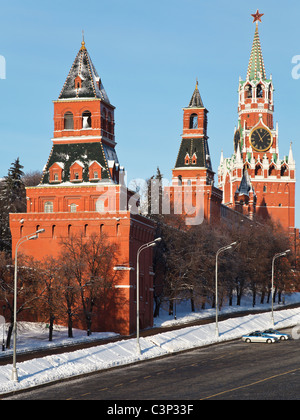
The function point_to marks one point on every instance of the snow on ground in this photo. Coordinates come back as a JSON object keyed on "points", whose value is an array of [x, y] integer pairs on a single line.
{"points": [[56, 367]]}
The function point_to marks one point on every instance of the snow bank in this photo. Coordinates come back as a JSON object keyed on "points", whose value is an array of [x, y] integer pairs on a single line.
{"points": [[52, 368]]}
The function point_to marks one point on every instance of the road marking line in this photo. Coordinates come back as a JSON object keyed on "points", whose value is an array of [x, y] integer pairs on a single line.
{"points": [[253, 383], [219, 357]]}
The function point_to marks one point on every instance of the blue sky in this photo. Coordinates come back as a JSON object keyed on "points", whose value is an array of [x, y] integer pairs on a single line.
{"points": [[148, 54]]}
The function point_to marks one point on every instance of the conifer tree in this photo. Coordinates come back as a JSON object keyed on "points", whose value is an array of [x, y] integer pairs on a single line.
{"points": [[12, 200]]}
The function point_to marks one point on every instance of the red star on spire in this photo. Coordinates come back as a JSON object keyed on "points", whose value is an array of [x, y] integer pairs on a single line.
{"points": [[257, 16]]}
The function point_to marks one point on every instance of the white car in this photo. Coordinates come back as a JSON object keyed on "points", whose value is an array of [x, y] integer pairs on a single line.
{"points": [[259, 337], [274, 333]]}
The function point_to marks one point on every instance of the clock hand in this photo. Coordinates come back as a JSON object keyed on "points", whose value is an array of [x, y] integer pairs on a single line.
{"points": [[264, 135], [259, 136]]}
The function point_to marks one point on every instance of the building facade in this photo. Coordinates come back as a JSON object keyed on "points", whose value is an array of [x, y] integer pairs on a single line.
{"points": [[82, 192]]}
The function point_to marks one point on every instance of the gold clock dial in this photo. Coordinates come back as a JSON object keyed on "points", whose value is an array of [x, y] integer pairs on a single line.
{"points": [[261, 139]]}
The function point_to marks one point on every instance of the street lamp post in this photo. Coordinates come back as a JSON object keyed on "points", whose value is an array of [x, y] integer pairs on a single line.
{"points": [[142, 248], [20, 242], [281, 254], [3, 337], [224, 248]]}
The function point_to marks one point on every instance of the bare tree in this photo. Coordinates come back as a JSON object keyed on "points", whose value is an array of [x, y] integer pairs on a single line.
{"points": [[90, 261], [28, 290], [32, 178], [49, 305]]}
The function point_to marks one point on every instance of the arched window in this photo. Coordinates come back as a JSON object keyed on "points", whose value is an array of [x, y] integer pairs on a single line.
{"points": [[68, 121], [272, 170], [248, 91], [259, 91], [284, 171], [194, 121], [258, 170], [103, 120], [109, 125], [86, 119], [48, 207], [73, 208], [53, 232], [180, 180], [78, 82]]}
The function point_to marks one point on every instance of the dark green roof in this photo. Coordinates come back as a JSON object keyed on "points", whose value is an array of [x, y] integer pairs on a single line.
{"points": [[91, 84], [85, 153], [245, 186], [196, 100], [191, 146]]}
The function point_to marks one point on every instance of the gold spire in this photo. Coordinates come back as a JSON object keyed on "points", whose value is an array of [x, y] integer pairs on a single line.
{"points": [[83, 43]]}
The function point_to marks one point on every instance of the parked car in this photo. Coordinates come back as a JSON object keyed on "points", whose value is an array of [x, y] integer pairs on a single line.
{"points": [[274, 333], [259, 337]]}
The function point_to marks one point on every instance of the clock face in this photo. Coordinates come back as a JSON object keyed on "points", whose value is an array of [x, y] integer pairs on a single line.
{"points": [[237, 139], [261, 139]]}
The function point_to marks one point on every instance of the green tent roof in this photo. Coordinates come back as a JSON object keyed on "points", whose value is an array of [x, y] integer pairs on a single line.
{"points": [[256, 68]]}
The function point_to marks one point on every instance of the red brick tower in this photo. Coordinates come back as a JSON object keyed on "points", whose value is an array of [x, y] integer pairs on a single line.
{"points": [[192, 192], [81, 191], [256, 179]]}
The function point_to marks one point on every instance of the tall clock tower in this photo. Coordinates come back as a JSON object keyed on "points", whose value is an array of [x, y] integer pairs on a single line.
{"points": [[257, 179]]}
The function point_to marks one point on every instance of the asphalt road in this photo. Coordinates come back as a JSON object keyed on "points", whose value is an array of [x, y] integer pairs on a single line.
{"points": [[230, 371]]}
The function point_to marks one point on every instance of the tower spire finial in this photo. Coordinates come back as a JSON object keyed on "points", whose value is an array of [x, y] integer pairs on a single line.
{"points": [[256, 67], [257, 17], [83, 43]]}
